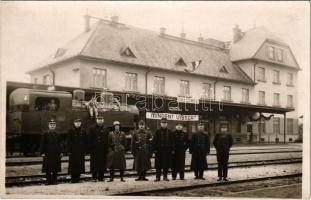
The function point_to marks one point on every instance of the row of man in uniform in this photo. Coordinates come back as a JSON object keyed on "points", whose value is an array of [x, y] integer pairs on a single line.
{"points": [[107, 150]]}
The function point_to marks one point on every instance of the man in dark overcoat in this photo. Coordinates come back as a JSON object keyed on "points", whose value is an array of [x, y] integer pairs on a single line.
{"points": [[141, 149], [98, 146], [50, 149], [116, 155], [181, 145], [163, 146], [76, 144], [199, 148], [222, 143]]}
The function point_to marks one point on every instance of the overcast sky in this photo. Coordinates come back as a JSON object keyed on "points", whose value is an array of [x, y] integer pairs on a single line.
{"points": [[33, 30]]}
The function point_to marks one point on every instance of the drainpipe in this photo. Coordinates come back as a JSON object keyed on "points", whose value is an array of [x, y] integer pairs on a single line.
{"points": [[216, 80], [256, 62], [146, 80], [53, 74], [146, 88]]}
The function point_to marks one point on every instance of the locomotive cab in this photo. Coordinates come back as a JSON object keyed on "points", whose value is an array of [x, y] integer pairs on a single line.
{"points": [[29, 112], [24, 99]]}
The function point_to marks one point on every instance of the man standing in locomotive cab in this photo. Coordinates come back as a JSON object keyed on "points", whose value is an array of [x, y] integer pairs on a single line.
{"points": [[199, 148], [141, 149], [163, 146], [76, 143], [116, 155], [98, 147], [181, 145], [222, 143], [50, 149]]}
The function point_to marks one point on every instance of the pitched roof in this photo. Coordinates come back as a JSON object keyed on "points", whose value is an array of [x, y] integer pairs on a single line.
{"points": [[106, 40], [247, 47]]}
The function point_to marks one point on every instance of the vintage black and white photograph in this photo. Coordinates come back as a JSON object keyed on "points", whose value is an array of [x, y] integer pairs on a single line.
{"points": [[153, 99]]}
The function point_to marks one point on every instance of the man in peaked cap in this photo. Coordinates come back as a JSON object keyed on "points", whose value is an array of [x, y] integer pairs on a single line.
{"points": [[181, 145], [98, 146], [141, 149], [50, 149], [223, 143], [116, 155], [199, 148], [163, 146], [76, 144]]}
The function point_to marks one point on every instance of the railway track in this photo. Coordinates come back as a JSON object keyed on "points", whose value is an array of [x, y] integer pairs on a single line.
{"points": [[149, 192], [130, 157], [63, 177]]}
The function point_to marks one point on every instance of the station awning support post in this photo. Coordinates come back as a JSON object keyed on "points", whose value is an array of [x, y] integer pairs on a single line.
{"points": [[284, 127]]}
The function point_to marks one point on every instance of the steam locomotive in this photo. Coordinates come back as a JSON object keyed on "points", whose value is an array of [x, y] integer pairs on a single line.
{"points": [[28, 114]]}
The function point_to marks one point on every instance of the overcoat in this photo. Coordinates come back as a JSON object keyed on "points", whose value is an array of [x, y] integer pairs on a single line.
{"points": [[50, 146], [98, 147], [163, 146], [199, 148], [76, 144], [181, 145], [141, 149], [116, 155], [222, 142]]}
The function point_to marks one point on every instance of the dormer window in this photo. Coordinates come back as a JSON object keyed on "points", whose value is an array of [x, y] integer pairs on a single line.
{"points": [[127, 52], [271, 52], [60, 52], [181, 62], [280, 55], [223, 69]]}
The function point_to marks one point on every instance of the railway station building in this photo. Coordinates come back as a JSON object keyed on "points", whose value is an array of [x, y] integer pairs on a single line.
{"points": [[248, 85]]}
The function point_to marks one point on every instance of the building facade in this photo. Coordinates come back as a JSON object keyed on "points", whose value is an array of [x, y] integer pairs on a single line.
{"points": [[255, 75]]}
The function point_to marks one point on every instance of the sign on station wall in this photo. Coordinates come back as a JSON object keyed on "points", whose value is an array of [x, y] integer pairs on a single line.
{"points": [[172, 116]]}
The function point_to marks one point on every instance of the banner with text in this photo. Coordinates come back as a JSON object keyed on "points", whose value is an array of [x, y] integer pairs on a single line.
{"points": [[172, 116]]}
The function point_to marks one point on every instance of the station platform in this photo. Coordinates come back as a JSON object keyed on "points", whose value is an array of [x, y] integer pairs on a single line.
{"points": [[132, 187]]}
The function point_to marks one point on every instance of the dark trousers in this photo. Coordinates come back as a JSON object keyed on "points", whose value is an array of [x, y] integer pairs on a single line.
{"points": [[99, 175], [159, 172], [222, 159], [51, 178], [75, 178], [181, 174], [199, 173], [142, 174], [112, 174]]}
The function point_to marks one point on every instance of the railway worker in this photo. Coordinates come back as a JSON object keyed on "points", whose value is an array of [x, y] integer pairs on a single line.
{"points": [[163, 146], [222, 143], [181, 145], [52, 106], [76, 144], [116, 155], [93, 108], [50, 149], [141, 149], [199, 148], [98, 147]]}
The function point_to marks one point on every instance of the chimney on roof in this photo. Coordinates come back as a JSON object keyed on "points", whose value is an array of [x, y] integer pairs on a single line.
{"points": [[237, 34], [200, 39], [183, 35], [162, 31], [114, 19], [87, 19]]}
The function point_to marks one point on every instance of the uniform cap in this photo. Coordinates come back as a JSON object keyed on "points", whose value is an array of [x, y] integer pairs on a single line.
{"points": [[179, 123], [141, 122], [201, 123], [163, 120], [52, 121], [78, 119], [116, 123], [100, 116]]}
